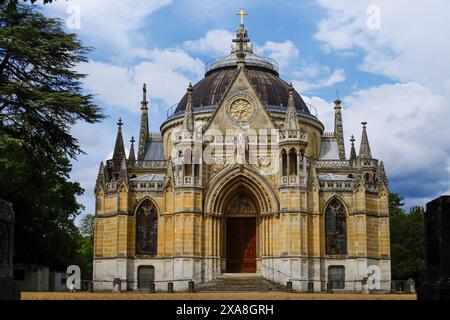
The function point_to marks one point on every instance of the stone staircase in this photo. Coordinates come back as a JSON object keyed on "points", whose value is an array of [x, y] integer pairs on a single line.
{"points": [[239, 282]]}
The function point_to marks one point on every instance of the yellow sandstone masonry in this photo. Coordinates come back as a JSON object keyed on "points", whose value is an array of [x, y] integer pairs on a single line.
{"points": [[313, 207]]}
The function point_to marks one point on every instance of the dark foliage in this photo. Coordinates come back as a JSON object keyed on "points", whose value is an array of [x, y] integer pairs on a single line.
{"points": [[407, 241], [40, 101]]}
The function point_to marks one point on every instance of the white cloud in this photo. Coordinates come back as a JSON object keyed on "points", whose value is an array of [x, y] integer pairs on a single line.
{"points": [[167, 73], [407, 130], [284, 53], [411, 45], [217, 41], [408, 121], [109, 25], [336, 77], [324, 109], [310, 69]]}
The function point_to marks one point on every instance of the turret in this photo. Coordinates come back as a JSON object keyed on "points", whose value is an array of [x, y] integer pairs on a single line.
{"points": [[338, 128], [292, 145], [242, 41], [382, 173], [144, 131], [101, 179], [123, 174], [188, 122], [291, 122], [352, 150], [119, 149], [131, 156], [364, 150]]}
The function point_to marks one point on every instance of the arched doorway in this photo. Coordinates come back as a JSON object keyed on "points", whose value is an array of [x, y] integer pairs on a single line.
{"points": [[223, 202], [241, 250]]}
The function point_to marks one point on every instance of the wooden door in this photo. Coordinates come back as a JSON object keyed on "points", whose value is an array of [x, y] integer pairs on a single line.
{"points": [[146, 276], [241, 245]]}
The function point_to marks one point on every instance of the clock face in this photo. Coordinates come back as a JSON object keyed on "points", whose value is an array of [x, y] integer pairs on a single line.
{"points": [[241, 111]]}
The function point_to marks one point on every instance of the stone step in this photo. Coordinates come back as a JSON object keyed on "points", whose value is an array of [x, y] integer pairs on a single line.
{"points": [[240, 282]]}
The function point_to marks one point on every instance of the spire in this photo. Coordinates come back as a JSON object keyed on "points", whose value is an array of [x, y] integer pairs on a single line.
{"points": [[291, 122], [338, 128], [144, 132], [169, 175], [364, 150], [353, 151], [241, 39], [382, 173], [131, 157], [123, 174], [313, 178], [101, 174], [188, 123], [119, 149]]}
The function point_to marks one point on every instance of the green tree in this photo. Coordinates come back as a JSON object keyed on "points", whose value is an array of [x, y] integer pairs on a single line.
{"points": [[86, 251], [87, 226], [395, 204], [407, 241], [40, 101]]}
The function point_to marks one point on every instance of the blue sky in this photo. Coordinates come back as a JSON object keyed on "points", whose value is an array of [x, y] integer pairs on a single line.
{"points": [[388, 59]]}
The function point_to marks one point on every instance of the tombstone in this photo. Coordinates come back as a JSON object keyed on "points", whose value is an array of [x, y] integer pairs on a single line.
{"points": [[437, 230], [9, 290], [410, 286], [365, 286], [117, 285]]}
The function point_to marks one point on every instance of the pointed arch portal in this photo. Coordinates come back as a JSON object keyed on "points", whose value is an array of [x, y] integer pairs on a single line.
{"points": [[241, 215], [240, 197]]}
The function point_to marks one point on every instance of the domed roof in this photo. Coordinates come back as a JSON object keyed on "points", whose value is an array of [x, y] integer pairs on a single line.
{"points": [[269, 87], [261, 72]]}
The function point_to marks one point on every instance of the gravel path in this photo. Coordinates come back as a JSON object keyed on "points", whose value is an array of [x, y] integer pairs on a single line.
{"points": [[210, 296]]}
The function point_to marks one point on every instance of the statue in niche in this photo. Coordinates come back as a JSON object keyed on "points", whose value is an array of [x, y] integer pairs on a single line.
{"points": [[241, 146]]}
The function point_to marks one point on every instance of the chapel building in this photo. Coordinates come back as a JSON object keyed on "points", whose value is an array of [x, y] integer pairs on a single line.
{"points": [[241, 178]]}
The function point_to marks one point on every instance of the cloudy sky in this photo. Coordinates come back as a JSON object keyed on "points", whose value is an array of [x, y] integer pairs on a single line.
{"points": [[388, 59]]}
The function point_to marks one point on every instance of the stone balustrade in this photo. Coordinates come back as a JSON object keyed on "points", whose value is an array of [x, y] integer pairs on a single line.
{"points": [[333, 164], [111, 186], [137, 186], [293, 135], [292, 181], [372, 186], [146, 164], [188, 181], [341, 185], [147, 185]]}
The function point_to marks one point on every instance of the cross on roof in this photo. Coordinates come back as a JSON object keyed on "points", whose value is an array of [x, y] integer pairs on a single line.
{"points": [[242, 13]]}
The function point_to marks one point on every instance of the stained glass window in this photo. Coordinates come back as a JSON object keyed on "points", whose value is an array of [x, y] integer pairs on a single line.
{"points": [[335, 228], [146, 229]]}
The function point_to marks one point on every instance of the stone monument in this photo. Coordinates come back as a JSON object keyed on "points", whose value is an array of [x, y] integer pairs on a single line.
{"points": [[9, 290], [437, 230]]}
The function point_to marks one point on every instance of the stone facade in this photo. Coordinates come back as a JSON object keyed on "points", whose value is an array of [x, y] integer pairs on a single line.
{"points": [[255, 151]]}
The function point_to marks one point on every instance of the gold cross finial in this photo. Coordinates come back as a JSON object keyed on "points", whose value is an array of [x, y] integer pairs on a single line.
{"points": [[242, 13]]}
